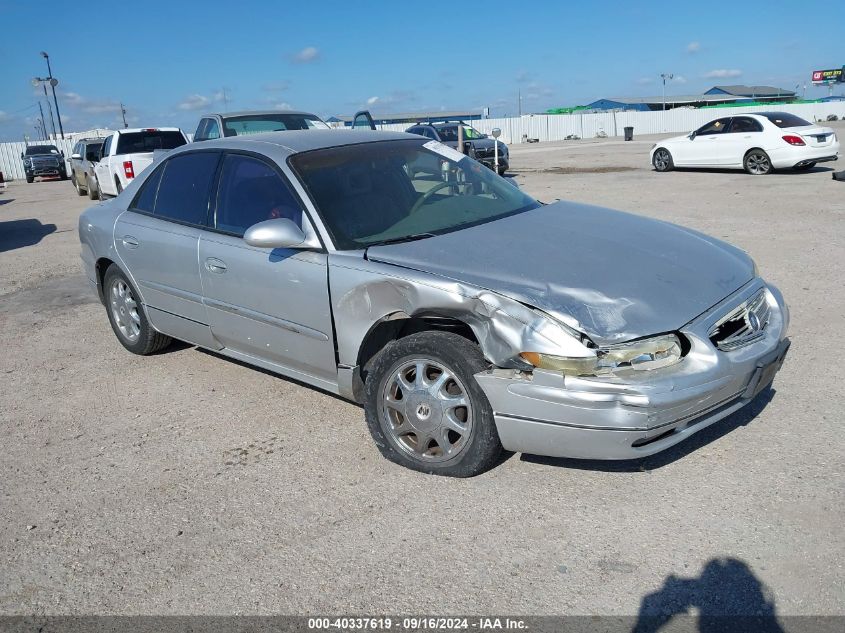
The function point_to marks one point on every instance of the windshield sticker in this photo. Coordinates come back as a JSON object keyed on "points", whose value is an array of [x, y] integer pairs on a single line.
{"points": [[444, 150]]}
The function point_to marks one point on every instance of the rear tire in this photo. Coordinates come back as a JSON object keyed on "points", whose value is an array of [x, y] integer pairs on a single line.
{"points": [[437, 419], [127, 316], [118, 186], [661, 160], [93, 190], [757, 163]]}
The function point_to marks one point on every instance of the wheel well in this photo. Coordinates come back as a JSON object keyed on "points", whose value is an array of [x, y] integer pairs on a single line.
{"points": [[753, 149], [385, 332], [100, 268]]}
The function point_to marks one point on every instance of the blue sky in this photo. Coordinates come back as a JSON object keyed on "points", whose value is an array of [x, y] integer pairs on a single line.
{"points": [[170, 61]]}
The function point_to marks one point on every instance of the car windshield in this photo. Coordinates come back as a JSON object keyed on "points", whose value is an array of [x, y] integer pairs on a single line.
{"points": [[784, 119], [393, 190], [256, 124], [148, 140], [39, 150], [450, 133]]}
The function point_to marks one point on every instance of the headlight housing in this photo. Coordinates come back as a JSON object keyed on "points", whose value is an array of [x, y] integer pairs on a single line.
{"points": [[642, 355]]}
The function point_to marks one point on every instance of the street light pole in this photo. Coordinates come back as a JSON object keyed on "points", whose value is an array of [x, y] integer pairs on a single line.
{"points": [[664, 77], [53, 87]]}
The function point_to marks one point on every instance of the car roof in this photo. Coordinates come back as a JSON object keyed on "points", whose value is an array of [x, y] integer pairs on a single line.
{"points": [[295, 141], [148, 129], [229, 115]]}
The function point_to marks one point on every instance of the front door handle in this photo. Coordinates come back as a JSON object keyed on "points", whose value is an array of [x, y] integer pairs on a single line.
{"points": [[130, 242], [215, 265]]}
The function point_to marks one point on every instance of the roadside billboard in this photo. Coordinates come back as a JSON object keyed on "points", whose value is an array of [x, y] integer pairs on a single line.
{"points": [[829, 76]]}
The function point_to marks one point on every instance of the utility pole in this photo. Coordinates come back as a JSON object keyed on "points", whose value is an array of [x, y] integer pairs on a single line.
{"points": [[41, 110], [225, 99], [519, 98], [43, 81], [123, 112], [53, 83]]}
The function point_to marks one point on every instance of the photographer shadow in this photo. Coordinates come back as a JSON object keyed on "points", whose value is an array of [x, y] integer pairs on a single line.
{"points": [[727, 596]]}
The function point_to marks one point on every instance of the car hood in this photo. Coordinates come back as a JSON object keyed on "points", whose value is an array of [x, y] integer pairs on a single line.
{"points": [[614, 276]]}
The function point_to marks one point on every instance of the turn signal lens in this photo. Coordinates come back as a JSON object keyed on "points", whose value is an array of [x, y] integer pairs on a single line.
{"points": [[128, 169], [568, 365], [794, 140]]}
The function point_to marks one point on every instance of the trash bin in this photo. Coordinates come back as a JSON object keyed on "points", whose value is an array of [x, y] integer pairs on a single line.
{"points": [[629, 133]]}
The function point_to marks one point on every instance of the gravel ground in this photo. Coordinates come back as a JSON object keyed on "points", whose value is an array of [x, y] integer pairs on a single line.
{"points": [[185, 483]]}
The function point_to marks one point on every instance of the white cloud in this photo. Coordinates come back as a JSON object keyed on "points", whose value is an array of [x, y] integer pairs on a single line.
{"points": [[283, 106], [75, 100], [307, 55], [693, 47], [372, 100], [679, 79], [722, 73], [645, 81], [194, 102], [4, 117]]}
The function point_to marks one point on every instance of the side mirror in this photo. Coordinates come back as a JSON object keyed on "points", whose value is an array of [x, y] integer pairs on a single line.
{"points": [[62, 153], [21, 155], [76, 156], [692, 136], [277, 233], [496, 132]]}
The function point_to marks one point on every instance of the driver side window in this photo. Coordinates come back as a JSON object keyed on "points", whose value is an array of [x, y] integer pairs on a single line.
{"points": [[251, 191], [714, 127]]}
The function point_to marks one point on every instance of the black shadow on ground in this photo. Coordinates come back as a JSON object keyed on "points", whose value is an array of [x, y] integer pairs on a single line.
{"points": [[727, 596], [20, 233], [710, 434]]}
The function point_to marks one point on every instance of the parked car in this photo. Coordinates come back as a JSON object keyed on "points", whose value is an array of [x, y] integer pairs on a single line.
{"points": [[126, 153], [463, 314], [477, 145], [41, 161], [213, 126], [757, 143], [85, 155]]}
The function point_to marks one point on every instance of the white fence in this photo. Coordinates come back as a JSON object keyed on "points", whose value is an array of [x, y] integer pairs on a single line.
{"points": [[551, 127], [10, 156], [556, 127]]}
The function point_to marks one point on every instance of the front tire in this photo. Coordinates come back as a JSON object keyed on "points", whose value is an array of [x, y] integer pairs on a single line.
{"points": [[661, 160], [127, 316], [79, 190], [426, 411], [757, 163], [30, 179]]}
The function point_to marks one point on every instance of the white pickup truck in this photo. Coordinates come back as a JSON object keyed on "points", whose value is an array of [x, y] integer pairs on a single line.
{"points": [[126, 153]]}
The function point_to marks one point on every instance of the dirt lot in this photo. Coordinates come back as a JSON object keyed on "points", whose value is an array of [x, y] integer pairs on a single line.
{"points": [[188, 483]]}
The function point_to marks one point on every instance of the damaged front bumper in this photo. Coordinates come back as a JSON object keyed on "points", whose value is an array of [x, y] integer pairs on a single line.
{"points": [[546, 413]]}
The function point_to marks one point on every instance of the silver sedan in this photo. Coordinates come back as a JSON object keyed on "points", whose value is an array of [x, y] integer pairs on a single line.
{"points": [[465, 316]]}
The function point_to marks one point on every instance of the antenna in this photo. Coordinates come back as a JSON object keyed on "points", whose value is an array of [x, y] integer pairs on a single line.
{"points": [[123, 113]]}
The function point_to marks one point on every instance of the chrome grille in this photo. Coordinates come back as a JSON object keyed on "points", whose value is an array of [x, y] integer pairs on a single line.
{"points": [[743, 325]]}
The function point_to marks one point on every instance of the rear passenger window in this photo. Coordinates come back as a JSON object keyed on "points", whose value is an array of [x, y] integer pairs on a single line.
{"points": [[185, 185], [146, 198], [251, 191]]}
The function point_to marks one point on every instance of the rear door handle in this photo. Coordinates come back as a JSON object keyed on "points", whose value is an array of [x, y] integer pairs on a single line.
{"points": [[130, 242], [215, 265]]}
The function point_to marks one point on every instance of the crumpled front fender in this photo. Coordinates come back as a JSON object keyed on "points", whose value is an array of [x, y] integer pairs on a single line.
{"points": [[365, 293]]}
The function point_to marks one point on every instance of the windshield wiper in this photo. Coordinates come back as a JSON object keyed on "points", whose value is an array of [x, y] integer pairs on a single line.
{"points": [[413, 237]]}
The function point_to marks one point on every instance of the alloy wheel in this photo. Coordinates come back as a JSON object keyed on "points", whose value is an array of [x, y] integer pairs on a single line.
{"points": [[662, 160], [758, 163], [124, 310], [426, 410]]}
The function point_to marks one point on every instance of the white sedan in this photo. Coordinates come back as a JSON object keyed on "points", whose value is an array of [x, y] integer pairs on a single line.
{"points": [[757, 143]]}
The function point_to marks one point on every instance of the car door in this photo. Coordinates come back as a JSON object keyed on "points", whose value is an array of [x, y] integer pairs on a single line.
{"points": [[708, 145], [269, 304], [76, 163], [157, 240], [742, 134]]}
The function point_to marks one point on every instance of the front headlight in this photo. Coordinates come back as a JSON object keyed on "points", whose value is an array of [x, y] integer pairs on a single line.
{"points": [[643, 355]]}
